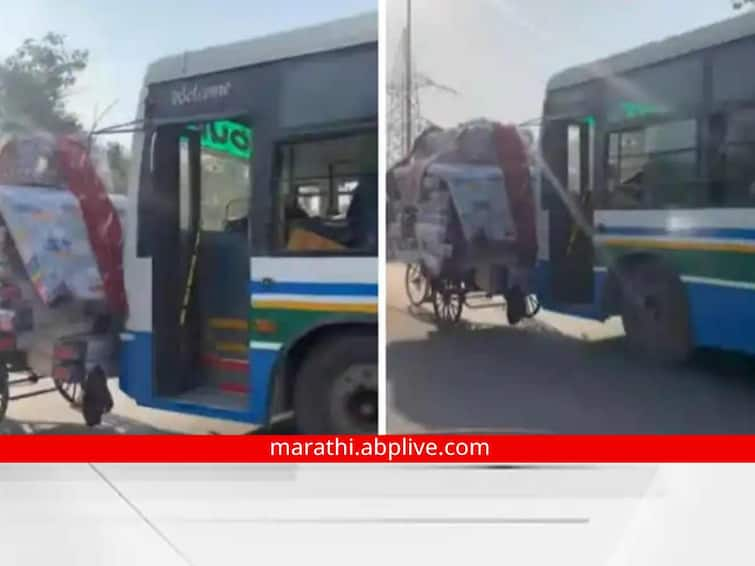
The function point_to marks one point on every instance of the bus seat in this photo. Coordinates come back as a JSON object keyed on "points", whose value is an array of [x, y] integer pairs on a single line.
{"points": [[302, 239]]}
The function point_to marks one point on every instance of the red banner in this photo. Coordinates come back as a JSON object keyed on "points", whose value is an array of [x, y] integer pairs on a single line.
{"points": [[378, 449]]}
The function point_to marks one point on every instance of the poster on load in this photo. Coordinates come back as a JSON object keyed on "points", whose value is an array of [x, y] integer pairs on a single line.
{"points": [[49, 233]]}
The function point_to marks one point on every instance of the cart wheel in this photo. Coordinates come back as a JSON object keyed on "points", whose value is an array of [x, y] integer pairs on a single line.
{"points": [[416, 284], [532, 306], [72, 391], [4, 391], [448, 302]]}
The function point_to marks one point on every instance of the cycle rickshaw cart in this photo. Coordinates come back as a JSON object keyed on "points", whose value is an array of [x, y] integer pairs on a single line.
{"points": [[55, 320], [464, 221]]}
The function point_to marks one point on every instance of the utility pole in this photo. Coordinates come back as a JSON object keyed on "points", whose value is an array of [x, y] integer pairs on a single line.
{"points": [[409, 90], [405, 118]]}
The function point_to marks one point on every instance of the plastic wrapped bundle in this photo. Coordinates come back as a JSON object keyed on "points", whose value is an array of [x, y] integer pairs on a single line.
{"points": [[61, 261], [46, 256], [469, 187]]}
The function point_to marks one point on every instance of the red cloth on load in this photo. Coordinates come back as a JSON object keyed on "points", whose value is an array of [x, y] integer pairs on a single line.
{"points": [[512, 155], [100, 217]]}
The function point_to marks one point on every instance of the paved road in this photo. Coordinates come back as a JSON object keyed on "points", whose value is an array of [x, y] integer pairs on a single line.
{"points": [[555, 374], [51, 414]]}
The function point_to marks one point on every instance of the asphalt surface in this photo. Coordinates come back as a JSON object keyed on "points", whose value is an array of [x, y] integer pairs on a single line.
{"points": [[52, 414], [553, 374]]}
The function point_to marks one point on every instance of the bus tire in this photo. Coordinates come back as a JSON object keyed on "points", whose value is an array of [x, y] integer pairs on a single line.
{"points": [[336, 387], [655, 313]]}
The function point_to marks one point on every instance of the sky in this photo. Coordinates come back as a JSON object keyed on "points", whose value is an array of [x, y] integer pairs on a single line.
{"points": [[127, 35], [499, 54]]}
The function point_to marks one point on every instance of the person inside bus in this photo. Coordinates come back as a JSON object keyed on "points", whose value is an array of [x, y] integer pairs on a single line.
{"points": [[361, 216], [718, 157], [308, 233]]}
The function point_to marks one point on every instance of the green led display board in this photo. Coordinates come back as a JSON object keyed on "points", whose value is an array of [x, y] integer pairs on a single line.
{"points": [[637, 110], [225, 136], [631, 110]]}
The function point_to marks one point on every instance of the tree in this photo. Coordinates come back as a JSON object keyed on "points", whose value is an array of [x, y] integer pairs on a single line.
{"points": [[739, 4], [118, 163], [35, 82]]}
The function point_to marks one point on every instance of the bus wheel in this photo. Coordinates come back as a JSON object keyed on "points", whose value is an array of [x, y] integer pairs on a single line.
{"points": [[336, 388], [655, 313]]}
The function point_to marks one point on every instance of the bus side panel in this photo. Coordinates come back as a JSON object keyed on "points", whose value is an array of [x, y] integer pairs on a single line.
{"points": [[713, 251], [135, 378], [290, 296], [723, 317]]}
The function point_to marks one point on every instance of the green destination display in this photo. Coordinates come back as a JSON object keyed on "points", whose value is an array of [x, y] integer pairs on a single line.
{"points": [[225, 136], [637, 110], [630, 110]]}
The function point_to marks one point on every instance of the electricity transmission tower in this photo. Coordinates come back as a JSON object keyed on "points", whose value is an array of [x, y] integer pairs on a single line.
{"points": [[405, 118]]}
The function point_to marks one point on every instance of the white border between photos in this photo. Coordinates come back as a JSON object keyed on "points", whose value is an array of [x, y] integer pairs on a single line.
{"points": [[382, 157]]}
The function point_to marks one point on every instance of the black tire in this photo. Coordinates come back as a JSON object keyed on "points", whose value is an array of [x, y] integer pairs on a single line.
{"points": [[4, 391], [96, 400], [322, 402], [516, 306], [655, 313], [416, 284]]}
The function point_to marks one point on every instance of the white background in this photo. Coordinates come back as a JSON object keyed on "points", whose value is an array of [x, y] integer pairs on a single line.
{"points": [[346, 514]]}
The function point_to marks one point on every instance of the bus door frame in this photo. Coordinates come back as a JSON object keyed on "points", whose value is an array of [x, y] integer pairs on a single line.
{"points": [[571, 247], [182, 357]]}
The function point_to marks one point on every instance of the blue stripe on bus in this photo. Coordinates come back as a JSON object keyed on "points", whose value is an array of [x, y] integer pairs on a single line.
{"points": [[729, 233], [321, 289], [262, 364], [722, 317]]}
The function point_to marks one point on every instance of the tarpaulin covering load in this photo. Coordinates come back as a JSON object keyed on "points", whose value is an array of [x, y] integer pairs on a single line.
{"points": [[484, 144], [512, 155], [51, 239], [63, 246], [100, 216]]}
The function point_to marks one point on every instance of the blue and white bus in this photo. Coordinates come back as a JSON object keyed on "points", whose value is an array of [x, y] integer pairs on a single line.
{"points": [[251, 248], [648, 191]]}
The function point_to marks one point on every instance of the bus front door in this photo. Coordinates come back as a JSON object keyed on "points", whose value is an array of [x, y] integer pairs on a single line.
{"points": [[201, 274], [568, 147]]}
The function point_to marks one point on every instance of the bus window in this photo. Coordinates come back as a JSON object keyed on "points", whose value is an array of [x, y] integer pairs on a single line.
{"points": [[574, 149], [626, 162], [654, 166], [734, 163], [226, 182], [184, 186], [327, 194]]}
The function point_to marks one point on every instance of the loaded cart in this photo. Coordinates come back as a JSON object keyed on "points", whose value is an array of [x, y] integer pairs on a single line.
{"points": [[464, 220], [57, 229]]}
